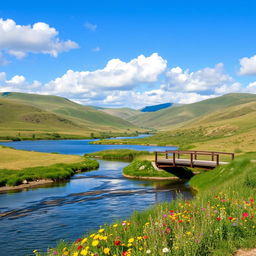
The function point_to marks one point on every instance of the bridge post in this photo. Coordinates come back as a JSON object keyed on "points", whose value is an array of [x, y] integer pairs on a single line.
{"points": [[156, 158], [212, 156], [173, 159], [217, 159], [191, 160], [166, 154]]}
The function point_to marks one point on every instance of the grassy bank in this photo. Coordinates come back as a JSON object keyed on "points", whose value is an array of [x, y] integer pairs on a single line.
{"points": [[56, 172], [119, 154], [218, 221], [17, 166], [144, 168]]}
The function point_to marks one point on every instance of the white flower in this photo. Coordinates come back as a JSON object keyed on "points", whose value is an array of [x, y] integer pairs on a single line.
{"points": [[165, 250], [148, 251]]}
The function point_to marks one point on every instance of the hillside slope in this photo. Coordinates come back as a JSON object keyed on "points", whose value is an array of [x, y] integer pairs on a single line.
{"points": [[29, 114], [124, 113], [178, 116]]}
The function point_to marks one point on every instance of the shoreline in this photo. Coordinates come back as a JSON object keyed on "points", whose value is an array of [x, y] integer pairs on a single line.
{"points": [[151, 178], [28, 185]]}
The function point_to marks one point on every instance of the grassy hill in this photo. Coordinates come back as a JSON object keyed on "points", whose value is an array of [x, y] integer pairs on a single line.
{"points": [[225, 123], [27, 114], [179, 116]]}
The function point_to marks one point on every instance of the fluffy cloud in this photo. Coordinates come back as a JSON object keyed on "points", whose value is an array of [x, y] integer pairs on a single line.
{"points": [[18, 84], [207, 79], [248, 66], [116, 75], [19, 40]]}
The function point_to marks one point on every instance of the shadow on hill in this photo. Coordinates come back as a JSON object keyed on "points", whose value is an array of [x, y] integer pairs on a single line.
{"points": [[180, 172]]}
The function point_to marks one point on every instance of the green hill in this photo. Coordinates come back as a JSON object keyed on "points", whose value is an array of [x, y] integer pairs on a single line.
{"points": [[178, 116], [28, 114]]}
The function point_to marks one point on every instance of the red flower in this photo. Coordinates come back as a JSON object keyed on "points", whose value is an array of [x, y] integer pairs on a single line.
{"points": [[218, 218], [230, 218], [145, 237], [125, 253], [168, 230], [117, 242], [180, 221], [79, 247], [245, 214], [78, 240]]}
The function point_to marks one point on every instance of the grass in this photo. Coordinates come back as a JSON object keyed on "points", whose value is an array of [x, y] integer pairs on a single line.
{"points": [[218, 221], [144, 168], [56, 172], [20, 159], [119, 154], [17, 166]]}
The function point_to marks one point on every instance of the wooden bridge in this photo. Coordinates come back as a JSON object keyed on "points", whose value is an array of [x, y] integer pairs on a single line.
{"points": [[193, 159]]}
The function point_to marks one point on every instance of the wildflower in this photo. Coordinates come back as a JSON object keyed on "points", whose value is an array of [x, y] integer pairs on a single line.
{"points": [[79, 247], [65, 253], [218, 219], [131, 240], [84, 252], [78, 240], [75, 254], [189, 233], [117, 242], [106, 251], [245, 214], [84, 240], [230, 218], [95, 242], [101, 230], [115, 225], [148, 251], [35, 251], [145, 237], [165, 250]]}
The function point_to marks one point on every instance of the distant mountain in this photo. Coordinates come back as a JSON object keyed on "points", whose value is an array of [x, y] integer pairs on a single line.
{"points": [[35, 113], [156, 107]]}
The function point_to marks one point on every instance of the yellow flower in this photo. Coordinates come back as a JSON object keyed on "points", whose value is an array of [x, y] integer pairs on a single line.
{"points": [[96, 237], [95, 242], [106, 251], [147, 223], [115, 225], [101, 230], [75, 254], [131, 240], [84, 241], [129, 245], [64, 249], [104, 238], [189, 233], [84, 252], [65, 253], [35, 251], [140, 248], [92, 235]]}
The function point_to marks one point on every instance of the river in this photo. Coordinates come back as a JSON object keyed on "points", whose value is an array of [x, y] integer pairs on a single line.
{"points": [[39, 217]]}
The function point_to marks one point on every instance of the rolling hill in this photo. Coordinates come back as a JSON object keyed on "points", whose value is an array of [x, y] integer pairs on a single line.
{"points": [[178, 116], [27, 114]]}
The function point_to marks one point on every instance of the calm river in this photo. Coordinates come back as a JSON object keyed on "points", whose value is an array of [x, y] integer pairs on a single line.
{"points": [[39, 217]]}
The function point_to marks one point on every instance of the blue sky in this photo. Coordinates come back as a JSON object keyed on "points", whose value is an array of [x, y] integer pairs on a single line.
{"points": [[198, 46]]}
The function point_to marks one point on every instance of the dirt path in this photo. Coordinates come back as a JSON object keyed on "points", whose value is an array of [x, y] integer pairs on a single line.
{"points": [[249, 252]]}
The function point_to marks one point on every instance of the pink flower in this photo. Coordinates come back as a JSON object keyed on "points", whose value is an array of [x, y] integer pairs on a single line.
{"points": [[245, 214]]}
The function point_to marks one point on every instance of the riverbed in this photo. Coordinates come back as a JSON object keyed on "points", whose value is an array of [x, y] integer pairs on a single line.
{"points": [[37, 218]]}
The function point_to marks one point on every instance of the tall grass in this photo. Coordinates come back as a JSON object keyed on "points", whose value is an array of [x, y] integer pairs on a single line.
{"points": [[55, 172], [218, 221]]}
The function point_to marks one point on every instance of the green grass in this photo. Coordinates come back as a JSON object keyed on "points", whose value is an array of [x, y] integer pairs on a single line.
{"points": [[119, 154], [144, 168], [56, 172], [218, 221]]}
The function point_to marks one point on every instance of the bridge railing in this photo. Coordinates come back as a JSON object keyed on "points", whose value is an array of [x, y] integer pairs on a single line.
{"points": [[193, 155]]}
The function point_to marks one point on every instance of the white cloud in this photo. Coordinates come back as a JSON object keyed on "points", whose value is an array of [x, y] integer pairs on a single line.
{"points": [[90, 26], [115, 75], [248, 66], [207, 79], [19, 40]]}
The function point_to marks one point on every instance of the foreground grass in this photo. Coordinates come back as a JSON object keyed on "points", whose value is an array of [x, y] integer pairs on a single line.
{"points": [[119, 154], [218, 221]]}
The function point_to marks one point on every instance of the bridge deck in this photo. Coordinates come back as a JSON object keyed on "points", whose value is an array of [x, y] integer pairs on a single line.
{"points": [[187, 163], [173, 159]]}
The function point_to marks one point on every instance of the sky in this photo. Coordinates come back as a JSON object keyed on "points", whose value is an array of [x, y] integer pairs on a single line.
{"points": [[128, 53]]}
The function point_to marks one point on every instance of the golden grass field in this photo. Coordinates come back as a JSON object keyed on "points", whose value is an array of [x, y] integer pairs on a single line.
{"points": [[19, 159]]}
